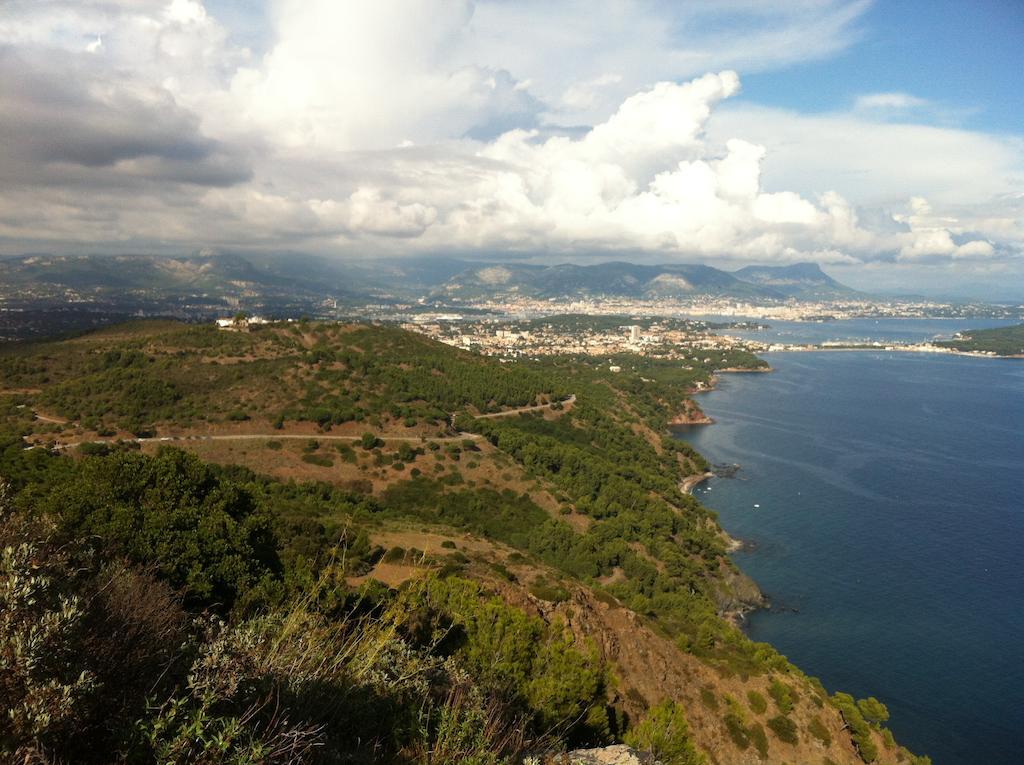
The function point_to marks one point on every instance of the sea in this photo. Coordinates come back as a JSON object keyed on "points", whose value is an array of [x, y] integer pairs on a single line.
{"points": [[881, 499]]}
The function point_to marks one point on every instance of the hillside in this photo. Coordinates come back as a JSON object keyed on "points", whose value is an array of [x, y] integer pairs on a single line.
{"points": [[607, 279], [415, 554], [276, 281], [805, 281], [999, 341]]}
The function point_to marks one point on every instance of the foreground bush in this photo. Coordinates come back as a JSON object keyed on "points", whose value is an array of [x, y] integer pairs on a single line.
{"points": [[665, 733], [102, 659]]}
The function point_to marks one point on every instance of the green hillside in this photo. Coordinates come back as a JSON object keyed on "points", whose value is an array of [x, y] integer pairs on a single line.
{"points": [[999, 341], [307, 543]]}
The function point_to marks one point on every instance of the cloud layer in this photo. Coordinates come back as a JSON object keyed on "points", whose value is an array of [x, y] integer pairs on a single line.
{"points": [[411, 126]]}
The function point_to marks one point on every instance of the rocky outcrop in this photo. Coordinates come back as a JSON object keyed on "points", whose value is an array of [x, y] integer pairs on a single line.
{"points": [[650, 667], [691, 415], [619, 754], [737, 595]]}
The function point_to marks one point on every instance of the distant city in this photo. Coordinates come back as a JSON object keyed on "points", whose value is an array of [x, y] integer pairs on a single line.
{"points": [[42, 296]]}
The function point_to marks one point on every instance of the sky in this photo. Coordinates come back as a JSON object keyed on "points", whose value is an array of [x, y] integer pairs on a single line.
{"points": [[883, 140]]}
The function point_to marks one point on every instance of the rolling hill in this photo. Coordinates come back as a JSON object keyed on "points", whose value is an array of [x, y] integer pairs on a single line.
{"points": [[615, 279], [415, 552], [805, 281]]}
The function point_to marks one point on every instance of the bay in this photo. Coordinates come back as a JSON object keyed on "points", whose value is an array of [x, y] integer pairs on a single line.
{"points": [[888, 535], [896, 330]]}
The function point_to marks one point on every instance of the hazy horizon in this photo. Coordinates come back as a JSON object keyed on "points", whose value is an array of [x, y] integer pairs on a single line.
{"points": [[882, 142]]}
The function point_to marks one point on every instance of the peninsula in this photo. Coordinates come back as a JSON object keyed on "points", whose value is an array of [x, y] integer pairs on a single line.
{"points": [[387, 529]]}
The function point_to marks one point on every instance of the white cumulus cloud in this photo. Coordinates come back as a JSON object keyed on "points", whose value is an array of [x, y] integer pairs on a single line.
{"points": [[406, 126]]}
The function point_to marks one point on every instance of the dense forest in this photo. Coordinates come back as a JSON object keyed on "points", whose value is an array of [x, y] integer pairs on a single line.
{"points": [[439, 588]]}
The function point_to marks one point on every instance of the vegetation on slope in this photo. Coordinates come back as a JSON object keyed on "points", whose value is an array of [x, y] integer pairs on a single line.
{"points": [[179, 647], [1000, 341], [264, 636], [135, 377]]}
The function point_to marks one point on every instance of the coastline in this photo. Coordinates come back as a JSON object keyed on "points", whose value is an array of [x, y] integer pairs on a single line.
{"points": [[799, 581], [691, 414], [745, 595], [883, 349], [688, 484]]}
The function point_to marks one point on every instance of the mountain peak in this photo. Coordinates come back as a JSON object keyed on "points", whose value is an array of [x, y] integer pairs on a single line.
{"points": [[805, 280]]}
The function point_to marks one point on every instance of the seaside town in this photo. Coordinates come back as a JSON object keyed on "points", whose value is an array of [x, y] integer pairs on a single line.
{"points": [[589, 336], [695, 307]]}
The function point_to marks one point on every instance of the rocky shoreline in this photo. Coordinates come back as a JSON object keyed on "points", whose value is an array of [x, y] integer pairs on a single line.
{"points": [[692, 414], [742, 594], [687, 484]]}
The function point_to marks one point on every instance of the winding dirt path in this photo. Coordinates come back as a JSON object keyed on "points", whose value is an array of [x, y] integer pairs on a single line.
{"points": [[461, 436], [536, 408]]}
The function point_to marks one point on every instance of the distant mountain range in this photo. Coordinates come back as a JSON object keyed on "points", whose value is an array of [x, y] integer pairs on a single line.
{"points": [[231, 276], [617, 279]]}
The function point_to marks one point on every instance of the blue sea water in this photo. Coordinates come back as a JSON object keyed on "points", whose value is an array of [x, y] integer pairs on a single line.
{"points": [[889, 533], [863, 330]]}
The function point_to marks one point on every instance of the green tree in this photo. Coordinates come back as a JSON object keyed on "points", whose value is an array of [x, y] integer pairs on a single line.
{"points": [[860, 731], [204, 534], [665, 733], [873, 710]]}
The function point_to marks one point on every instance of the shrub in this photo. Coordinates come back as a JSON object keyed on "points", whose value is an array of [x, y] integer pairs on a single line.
{"points": [[42, 685], [501, 570], [737, 730], [80, 647], [757, 702], [551, 592], [448, 544], [782, 695], [708, 698], [538, 664], [784, 729], [88, 449], [394, 555], [665, 733], [759, 739], [321, 460], [202, 533], [275, 446], [817, 729], [337, 680]]}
